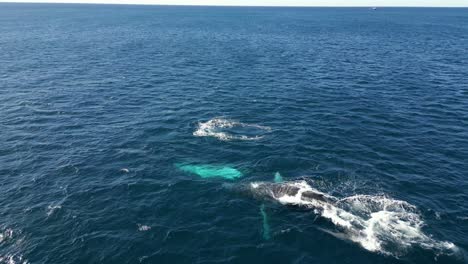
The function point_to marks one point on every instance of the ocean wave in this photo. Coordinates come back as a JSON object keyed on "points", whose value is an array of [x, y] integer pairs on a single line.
{"points": [[219, 128], [377, 223]]}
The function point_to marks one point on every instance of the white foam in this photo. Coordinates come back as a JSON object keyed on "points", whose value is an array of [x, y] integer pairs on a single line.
{"points": [[211, 128], [143, 228], [52, 208], [377, 223]]}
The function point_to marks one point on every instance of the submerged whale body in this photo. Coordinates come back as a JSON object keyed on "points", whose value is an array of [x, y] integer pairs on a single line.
{"points": [[210, 171]]}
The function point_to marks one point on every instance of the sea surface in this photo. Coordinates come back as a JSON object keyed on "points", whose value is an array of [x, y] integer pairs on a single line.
{"points": [[162, 134]]}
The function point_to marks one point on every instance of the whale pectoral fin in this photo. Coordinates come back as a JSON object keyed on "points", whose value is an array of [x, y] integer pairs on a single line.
{"points": [[265, 226]]}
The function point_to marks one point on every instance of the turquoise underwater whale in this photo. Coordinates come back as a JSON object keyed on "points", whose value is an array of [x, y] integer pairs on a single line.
{"points": [[211, 171]]}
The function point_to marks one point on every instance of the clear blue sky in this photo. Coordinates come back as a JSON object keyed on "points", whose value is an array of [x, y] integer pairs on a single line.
{"points": [[449, 3]]}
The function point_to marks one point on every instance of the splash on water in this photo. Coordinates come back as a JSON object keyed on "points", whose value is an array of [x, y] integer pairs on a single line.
{"points": [[143, 228]]}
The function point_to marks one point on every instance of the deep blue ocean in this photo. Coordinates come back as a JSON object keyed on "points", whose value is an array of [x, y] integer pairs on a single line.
{"points": [[159, 134]]}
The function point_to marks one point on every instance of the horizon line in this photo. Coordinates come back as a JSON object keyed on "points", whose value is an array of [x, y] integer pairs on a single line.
{"points": [[227, 5]]}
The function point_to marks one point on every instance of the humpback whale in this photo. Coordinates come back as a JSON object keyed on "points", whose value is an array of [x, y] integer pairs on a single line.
{"points": [[293, 193], [376, 222]]}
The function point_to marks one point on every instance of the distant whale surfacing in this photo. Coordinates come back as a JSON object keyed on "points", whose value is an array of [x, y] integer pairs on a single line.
{"points": [[377, 223], [225, 130]]}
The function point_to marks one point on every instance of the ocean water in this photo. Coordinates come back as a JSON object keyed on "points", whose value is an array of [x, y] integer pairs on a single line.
{"points": [[306, 135]]}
